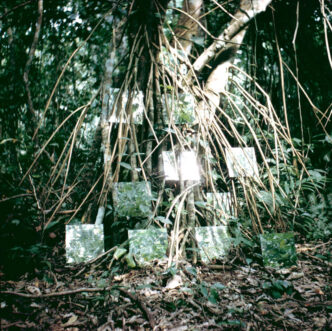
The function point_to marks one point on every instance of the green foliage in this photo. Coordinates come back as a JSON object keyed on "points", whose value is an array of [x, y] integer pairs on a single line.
{"points": [[276, 288]]}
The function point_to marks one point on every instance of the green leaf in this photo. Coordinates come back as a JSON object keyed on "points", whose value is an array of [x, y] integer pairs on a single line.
{"points": [[192, 271], [130, 260], [204, 290]]}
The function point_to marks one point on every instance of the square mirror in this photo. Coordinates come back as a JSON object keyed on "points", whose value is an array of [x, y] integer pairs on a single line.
{"points": [[84, 242], [220, 205], [241, 162], [213, 242], [132, 199], [147, 245], [118, 105], [278, 249]]}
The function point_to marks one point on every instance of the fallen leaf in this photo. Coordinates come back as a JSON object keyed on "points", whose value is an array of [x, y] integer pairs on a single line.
{"points": [[33, 290], [319, 322], [174, 282], [71, 321], [319, 291], [295, 275]]}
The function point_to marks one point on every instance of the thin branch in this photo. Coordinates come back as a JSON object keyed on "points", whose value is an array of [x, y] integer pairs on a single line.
{"points": [[16, 7], [56, 294]]}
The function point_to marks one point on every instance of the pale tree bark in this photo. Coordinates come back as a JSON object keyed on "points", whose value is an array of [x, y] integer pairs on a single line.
{"points": [[187, 25], [247, 11], [224, 50]]}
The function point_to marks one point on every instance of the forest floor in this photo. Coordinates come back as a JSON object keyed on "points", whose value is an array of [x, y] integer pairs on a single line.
{"points": [[217, 297]]}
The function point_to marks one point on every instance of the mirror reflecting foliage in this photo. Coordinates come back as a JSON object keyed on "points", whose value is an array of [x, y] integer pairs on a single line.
{"points": [[278, 249], [147, 245], [84, 242], [213, 242]]}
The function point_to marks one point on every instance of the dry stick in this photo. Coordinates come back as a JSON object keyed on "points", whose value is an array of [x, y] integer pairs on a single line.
{"points": [[297, 69], [57, 294], [325, 22], [96, 259], [17, 196], [307, 97], [71, 149], [7, 12]]}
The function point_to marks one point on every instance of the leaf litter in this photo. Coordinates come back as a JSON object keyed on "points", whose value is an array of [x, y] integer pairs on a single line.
{"points": [[226, 296]]}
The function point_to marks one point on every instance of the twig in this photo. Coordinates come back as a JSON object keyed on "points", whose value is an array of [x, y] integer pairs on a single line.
{"points": [[57, 294], [141, 305], [16, 7], [95, 259], [16, 196]]}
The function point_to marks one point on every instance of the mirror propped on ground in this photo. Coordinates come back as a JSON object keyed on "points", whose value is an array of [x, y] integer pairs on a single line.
{"points": [[278, 249], [84, 242], [213, 242], [147, 245]]}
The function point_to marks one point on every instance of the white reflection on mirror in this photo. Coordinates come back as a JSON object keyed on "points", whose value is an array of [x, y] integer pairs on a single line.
{"points": [[186, 164], [241, 162], [84, 242]]}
